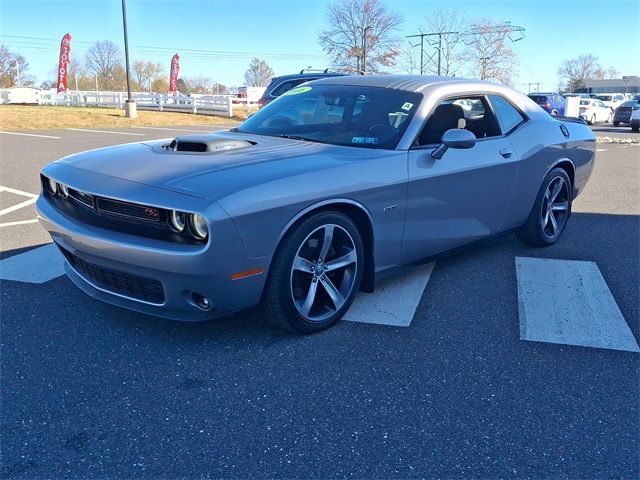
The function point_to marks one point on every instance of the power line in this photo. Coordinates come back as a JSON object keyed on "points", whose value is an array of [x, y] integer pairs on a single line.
{"points": [[148, 48], [515, 34]]}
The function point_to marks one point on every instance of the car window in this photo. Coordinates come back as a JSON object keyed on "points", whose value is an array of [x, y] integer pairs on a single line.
{"points": [[469, 113], [508, 116], [368, 117]]}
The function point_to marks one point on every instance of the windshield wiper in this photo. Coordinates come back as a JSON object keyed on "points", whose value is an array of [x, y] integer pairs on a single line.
{"points": [[298, 137]]}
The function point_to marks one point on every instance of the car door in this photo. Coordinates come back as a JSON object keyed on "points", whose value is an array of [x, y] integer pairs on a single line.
{"points": [[602, 111], [464, 195]]}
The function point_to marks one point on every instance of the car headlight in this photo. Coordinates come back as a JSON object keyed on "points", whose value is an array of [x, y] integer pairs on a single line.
{"points": [[198, 225], [64, 191], [177, 221], [52, 186]]}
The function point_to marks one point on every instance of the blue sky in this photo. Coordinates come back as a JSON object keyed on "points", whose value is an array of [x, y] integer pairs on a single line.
{"points": [[218, 38]]}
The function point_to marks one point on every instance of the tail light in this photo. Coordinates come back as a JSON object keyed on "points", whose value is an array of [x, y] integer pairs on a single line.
{"points": [[262, 102]]}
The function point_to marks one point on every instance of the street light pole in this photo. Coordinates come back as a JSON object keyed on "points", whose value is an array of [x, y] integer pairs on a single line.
{"points": [[130, 105]]}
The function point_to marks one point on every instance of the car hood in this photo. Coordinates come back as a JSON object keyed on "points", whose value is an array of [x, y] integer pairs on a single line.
{"points": [[211, 173]]}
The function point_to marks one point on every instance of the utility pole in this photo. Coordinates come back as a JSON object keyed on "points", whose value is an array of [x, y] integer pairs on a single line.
{"points": [[537, 84], [439, 47], [506, 27], [17, 73], [130, 108]]}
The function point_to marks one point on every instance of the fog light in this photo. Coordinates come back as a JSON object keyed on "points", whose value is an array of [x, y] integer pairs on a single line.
{"points": [[64, 191], [198, 226], [202, 302], [177, 221]]}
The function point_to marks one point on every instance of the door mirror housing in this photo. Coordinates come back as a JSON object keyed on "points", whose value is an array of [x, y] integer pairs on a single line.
{"points": [[454, 138]]}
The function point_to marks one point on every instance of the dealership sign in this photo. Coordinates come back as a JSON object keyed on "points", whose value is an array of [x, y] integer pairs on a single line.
{"points": [[63, 62], [173, 77]]}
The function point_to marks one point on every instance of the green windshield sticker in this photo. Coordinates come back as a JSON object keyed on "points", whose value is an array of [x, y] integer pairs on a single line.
{"points": [[297, 90], [407, 106]]}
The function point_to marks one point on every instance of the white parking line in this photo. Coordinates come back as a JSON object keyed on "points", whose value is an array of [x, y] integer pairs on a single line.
{"points": [[20, 205], [569, 302], [35, 266], [17, 192], [21, 222], [394, 302], [104, 131], [30, 135]]}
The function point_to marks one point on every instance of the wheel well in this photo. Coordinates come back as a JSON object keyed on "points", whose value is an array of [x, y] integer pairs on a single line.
{"points": [[361, 219], [567, 166]]}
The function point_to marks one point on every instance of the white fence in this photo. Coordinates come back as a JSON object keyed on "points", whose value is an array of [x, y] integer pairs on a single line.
{"points": [[206, 104]]}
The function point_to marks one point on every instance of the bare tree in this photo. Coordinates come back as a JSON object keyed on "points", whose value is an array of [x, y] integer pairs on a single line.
{"points": [[575, 71], [612, 72], [488, 55], [219, 89], [259, 74], [160, 84], [450, 27], [409, 59], [104, 61], [146, 73], [361, 36], [199, 84], [13, 69]]}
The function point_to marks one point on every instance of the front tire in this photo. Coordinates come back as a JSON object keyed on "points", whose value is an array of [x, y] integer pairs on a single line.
{"points": [[593, 120], [616, 124], [315, 274], [550, 212]]}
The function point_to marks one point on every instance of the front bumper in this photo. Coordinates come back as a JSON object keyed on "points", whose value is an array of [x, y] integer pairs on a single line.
{"points": [[179, 270]]}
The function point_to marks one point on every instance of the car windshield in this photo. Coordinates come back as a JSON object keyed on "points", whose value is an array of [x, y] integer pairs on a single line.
{"points": [[538, 98], [366, 117]]}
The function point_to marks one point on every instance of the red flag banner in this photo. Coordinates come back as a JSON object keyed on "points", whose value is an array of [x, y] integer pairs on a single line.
{"points": [[63, 62], [173, 77]]}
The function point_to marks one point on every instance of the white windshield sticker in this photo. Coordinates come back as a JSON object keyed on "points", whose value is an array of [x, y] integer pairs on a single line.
{"points": [[370, 140]]}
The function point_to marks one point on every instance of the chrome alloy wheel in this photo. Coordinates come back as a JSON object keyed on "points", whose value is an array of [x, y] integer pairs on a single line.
{"points": [[555, 208], [324, 272]]}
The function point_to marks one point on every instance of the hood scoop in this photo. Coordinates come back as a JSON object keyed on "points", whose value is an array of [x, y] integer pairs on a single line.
{"points": [[204, 144]]}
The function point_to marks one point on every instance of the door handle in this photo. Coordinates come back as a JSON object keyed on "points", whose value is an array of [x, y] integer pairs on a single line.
{"points": [[506, 152]]}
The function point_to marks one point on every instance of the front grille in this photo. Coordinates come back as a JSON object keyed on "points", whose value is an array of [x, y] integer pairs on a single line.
{"points": [[81, 197], [131, 210], [133, 286]]}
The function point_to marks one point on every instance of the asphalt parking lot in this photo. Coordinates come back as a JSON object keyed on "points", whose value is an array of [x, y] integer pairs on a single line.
{"points": [[93, 391]]}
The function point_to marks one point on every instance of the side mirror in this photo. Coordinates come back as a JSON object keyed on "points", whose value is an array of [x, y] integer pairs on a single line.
{"points": [[454, 138]]}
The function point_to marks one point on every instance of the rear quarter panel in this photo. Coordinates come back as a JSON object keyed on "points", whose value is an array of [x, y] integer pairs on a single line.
{"points": [[541, 146]]}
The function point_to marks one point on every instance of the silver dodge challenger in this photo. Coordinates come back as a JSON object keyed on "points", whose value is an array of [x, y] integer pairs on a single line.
{"points": [[334, 185]]}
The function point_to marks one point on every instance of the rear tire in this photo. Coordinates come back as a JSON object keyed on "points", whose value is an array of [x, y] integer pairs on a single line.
{"points": [[315, 273], [635, 128], [616, 124], [593, 120], [550, 212]]}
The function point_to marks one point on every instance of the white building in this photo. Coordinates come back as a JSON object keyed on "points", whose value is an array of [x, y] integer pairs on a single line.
{"points": [[626, 84]]}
